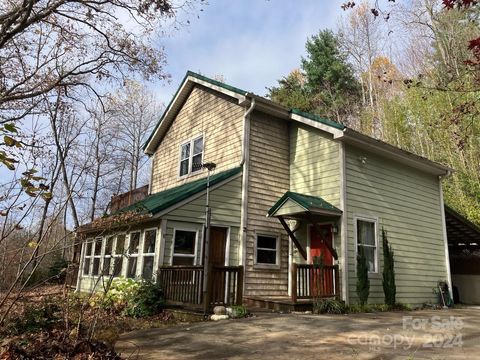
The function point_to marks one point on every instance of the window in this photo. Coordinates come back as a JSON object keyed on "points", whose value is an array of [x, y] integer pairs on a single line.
{"points": [[191, 156], [87, 257], [118, 256], [184, 247], [367, 239], [97, 256], [133, 254], [267, 250], [107, 259], [149, 241]]}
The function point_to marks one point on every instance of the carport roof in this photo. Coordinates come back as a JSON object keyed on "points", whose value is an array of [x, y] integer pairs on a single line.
{"points": [[461, 233]]}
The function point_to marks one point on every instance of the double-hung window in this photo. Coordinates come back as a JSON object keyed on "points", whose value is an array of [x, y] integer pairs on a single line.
{"points": [[367, 241], [107, 258], [267, 250], [149, 240], [184, 247], [118, 255], [97, 256], [191, 156], [87, 258], [133, 246]]}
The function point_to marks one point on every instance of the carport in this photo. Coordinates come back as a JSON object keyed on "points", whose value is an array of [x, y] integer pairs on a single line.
{"points": [[464, 250]]}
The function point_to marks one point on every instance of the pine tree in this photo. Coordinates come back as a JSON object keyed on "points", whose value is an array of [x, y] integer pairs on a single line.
{"points": [[388, 282], [363, 283]]}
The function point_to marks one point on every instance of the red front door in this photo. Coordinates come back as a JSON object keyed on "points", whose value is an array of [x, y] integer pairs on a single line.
{"points": [[321, 279]]}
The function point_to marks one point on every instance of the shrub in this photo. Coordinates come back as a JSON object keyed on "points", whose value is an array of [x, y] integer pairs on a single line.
{"points": [[58, 271], [135, 298], [328, 306], [363, 283], [389, 288], [239, 311], [36, 317]]}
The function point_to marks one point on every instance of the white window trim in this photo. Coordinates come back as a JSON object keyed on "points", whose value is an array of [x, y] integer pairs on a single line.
{"points": [[100, 257], [277, 251], [130, 255], [116, 256], [89, 256], [144, 254], [190, 157], [374, 220], [190, 229], [104, 256]]}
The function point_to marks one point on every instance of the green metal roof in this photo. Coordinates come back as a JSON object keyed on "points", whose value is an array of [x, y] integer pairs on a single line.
{"points": [[240, 92], [318, 119], [157, 202], [306, 201]]}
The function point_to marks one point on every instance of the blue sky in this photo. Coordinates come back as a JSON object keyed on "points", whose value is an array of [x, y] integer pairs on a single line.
{"points": [[251, 43]]}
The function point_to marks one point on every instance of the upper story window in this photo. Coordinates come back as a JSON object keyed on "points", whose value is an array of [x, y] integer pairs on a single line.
{"points": [[191, 156], [366, 236]]}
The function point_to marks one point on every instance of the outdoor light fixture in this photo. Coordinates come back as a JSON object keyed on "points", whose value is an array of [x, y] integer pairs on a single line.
{"points": [[363, 159], [209, 166]]}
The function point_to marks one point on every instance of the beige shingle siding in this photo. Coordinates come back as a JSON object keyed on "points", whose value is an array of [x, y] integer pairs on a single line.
{"points": [[225, 202], [407, 204], [206, 112], [268, 181]]}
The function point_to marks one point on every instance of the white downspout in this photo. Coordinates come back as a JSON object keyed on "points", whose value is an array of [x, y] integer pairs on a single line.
{"points": [[245, 163], [445, 239]]}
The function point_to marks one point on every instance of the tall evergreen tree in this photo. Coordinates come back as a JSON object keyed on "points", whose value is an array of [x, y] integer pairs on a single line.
{"points": [[389, 288], [328, 87], [363, 283]]}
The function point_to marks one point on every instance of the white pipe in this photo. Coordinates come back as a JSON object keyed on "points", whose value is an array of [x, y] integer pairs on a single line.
{"points": [[445, 238], [245, 163]]}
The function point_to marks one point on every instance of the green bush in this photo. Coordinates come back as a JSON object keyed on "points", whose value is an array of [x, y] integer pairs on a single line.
{"points": [[58, 271], [363, 283], [135, 298], [389, 288], [36, 317], [328, 306], [239, 311]]}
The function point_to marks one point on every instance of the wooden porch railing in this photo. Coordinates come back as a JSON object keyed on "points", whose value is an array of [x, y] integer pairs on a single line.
{"points": [[310, 281], [184, 284]]}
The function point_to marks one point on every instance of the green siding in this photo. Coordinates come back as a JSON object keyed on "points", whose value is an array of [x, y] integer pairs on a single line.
{"points": [[314, 163], [407, 204], [225, 203]]}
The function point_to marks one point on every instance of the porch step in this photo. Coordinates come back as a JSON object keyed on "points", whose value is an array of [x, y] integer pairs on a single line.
{"points": [[280, 303]]}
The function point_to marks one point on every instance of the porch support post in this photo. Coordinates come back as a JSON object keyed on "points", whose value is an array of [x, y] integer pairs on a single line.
{"points": [[329, 247], [292, 236]]}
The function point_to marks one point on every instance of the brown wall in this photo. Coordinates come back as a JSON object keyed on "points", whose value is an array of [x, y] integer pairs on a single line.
{"points": [[205, 112], [269, 179]]}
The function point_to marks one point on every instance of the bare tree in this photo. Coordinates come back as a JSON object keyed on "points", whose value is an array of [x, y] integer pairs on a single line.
{"points": [[135, 111]]}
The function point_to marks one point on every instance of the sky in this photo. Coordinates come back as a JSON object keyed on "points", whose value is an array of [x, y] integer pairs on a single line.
{"points": [[250, 43]]}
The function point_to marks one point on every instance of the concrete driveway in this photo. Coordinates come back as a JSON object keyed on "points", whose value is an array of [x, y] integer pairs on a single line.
{"points": [[441, 334]]}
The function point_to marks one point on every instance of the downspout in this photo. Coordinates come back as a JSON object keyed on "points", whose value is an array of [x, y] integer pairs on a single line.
{"points": [[444, 230], [244, 163]]}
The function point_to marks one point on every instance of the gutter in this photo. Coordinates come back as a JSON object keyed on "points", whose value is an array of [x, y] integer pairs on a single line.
{"points": [[244, 163]]}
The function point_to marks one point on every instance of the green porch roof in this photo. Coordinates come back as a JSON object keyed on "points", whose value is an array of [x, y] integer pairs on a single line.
{"points": [[157, 202], [305, 201]]}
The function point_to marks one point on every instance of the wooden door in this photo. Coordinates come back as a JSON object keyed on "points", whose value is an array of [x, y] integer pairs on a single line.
{"points": [[321, 281], [218, 242]]}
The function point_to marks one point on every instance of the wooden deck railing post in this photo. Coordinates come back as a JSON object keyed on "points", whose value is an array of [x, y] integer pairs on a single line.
{"points": [[294, 283]]}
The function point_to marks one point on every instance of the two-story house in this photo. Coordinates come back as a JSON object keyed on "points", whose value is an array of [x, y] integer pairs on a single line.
{"points": [[287, 188]]}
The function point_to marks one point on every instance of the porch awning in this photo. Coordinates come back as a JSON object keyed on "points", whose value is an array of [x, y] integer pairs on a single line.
{"points": [[293, 204]]}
